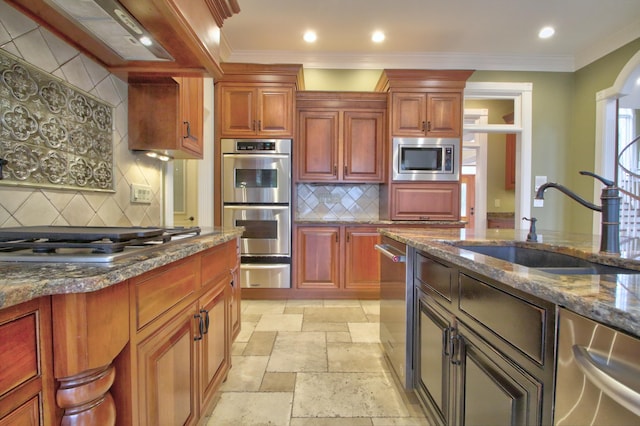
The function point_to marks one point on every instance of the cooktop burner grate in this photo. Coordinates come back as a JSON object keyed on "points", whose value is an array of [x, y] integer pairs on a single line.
{"points": [[106, 240]]}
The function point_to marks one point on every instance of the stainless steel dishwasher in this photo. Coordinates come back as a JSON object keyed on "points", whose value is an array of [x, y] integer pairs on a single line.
{"points": [[396, 309], [598, 377]]}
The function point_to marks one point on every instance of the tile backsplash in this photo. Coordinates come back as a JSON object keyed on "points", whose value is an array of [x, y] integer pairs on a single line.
{"points": [[337, 202], [24, 206]]}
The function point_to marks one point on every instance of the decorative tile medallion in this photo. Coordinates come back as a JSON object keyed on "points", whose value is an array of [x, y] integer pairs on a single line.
{"points": [[51, 133]]}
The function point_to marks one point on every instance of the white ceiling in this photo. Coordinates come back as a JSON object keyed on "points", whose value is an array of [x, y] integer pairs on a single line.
{"points": [[465, 34]]}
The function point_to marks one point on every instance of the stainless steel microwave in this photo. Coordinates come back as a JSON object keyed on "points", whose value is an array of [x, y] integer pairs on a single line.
{"points": [[426, 159]]}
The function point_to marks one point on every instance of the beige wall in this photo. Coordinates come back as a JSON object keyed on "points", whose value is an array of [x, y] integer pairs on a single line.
{"points": [[22, 206]]}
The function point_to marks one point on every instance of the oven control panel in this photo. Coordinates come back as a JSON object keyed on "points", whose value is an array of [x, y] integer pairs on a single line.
{"points": [[255, 146]]}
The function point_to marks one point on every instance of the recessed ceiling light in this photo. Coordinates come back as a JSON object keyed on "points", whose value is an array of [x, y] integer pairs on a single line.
{"points": [[310, 36], [546, 32], [377, 37]]}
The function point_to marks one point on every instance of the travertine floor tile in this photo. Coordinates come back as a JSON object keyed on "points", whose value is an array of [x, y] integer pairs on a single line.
{"points": [[304, 303], [341, 303], [364, 332], [351, 421], [260, 343], [252, 409], [299, 351], [245, 331], [278, 382], [246, 373], [263, 306], [280, 322], [370, 307], [355, 357], [335, 314], [324, 326], [338, 336], [399, 421], [238, 347], [347, 395]]}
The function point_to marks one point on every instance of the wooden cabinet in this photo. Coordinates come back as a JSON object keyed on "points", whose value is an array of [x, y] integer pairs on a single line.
{"points": [[180, 349], [338, 258], [26, 371], [166, 116], [426, 114], [472, 365], [421, 201], [340, 137], [253, 110], [256, 100]]}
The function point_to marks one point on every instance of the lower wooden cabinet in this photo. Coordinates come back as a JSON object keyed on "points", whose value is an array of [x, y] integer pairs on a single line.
{"points": [[26, 371], [420, 201], [338, 258]]}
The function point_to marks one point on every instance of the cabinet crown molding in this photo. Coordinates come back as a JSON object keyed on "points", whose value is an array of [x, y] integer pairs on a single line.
{"points": [[419, 79]]}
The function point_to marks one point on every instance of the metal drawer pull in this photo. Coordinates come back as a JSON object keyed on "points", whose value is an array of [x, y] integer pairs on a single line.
{"points": [[615, 379], [385, 249]]}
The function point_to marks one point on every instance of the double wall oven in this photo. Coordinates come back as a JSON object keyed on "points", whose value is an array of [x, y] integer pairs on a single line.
{"points": [[256, 194]]}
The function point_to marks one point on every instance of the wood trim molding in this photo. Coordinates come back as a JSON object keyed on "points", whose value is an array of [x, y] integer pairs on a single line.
{"points": [[222, 9]]}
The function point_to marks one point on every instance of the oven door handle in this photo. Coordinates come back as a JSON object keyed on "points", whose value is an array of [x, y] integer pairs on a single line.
{"points": [[248, 156], [255, 207], [610, 378], [388, 251]]}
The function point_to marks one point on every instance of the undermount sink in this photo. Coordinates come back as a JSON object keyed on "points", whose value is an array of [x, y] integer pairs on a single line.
{"points": [[547, 261]]}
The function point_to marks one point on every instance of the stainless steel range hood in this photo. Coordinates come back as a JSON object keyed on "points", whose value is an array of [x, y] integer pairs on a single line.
{"points": [[112, 24]]}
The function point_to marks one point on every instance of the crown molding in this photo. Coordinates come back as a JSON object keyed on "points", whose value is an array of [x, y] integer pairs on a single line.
{"points": [[409, 60]]}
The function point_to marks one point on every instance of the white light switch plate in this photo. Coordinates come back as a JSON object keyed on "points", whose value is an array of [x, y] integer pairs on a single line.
{"points": [[141, 194]]}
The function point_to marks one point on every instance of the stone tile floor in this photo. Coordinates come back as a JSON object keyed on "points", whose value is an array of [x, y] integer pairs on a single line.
{"points": [[311, 363]]}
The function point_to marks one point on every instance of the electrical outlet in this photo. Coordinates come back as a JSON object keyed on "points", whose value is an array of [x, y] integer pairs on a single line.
{"points": [[496, 202], [141, 194]]}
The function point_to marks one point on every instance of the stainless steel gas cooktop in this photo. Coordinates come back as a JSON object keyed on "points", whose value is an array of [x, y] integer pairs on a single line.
{"points": [[83, 244]]}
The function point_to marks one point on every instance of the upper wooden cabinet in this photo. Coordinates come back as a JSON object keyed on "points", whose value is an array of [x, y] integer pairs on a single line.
{"points": [[426, 114], [425, 103], [253, 110], [340, 137], [166, 115], [182, 27], [255, 100]]}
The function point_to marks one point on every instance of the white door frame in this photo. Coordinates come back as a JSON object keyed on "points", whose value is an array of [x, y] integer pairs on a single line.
{"points": [[478, 116], [606, 126], [521, 95]]}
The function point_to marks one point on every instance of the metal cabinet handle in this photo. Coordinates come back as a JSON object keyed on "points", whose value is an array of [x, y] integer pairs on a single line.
{"points": [[428, 126], [200, 327], [454, 349], [259, 125], [445, 342], [206, 321], [617, 380], [188, 135], [387, 251], [335, 169], [424, 126]]}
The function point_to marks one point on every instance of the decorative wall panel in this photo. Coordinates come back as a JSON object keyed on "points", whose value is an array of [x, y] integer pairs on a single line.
{"points": [[51, 133]]}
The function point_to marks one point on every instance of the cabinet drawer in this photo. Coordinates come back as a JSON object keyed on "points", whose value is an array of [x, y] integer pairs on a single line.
{"points": [[18, 352], [218, 261], [28, 414], [434, 275], [518, 322], [157, 291]]}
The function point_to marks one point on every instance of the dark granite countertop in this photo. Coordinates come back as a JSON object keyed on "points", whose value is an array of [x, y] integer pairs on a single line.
{"points": [[23, 281], [610, 299]]}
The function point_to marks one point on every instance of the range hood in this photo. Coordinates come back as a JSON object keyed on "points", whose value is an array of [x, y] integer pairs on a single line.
{"points": [[111, 23], [184, 33]]}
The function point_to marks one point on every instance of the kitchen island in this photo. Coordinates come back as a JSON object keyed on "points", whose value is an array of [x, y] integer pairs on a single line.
{"points": [[496, 342], [130, 341]]}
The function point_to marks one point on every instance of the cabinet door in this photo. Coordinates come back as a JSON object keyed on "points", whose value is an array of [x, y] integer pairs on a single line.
{"points": [[192, 109], [235, 303], [409, 114], [318, 146], [426, 201], [444, 116], [214, 353], [318, 257], [362, 266], [433, 375], [26, 378], [275, 111], [167, 372], [363, 146], [496, 391], [238, 111]]}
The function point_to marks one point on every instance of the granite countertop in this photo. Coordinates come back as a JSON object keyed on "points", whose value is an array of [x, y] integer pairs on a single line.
{"points": [[610, 299], [378, 222], [23, 281]]}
